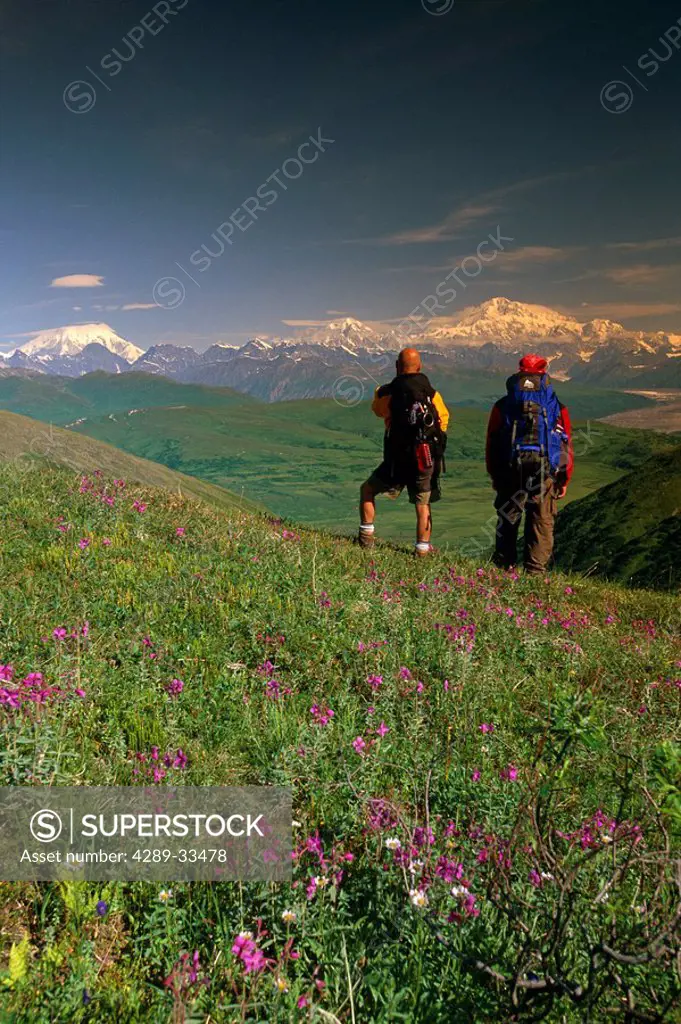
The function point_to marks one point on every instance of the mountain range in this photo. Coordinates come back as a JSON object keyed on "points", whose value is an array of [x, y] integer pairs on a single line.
{"points": [[317, 361]]}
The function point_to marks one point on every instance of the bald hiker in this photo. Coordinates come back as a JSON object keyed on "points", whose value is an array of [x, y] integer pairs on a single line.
{"points": [[416, 421], [530, 461]]}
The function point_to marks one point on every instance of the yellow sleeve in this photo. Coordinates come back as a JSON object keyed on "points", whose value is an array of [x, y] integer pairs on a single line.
{"points": [[442, 410], [381, 406]]}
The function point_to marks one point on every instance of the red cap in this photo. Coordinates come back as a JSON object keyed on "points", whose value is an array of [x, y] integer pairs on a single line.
{"points": [[533, 364]]}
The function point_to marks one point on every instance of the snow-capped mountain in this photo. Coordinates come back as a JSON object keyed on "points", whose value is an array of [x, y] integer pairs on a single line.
{"points": [[166, 360], [508, 324], [70, 341], [348, 333], [309, 362], [502, 321]]}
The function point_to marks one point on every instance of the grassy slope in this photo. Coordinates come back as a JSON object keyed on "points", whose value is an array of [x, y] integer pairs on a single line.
{"points": [[23, 440], [630, 528], [577, 681], [306, 459], [61, 400]]}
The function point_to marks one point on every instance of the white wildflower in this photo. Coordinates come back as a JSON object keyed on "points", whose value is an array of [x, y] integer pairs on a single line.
{"points": [[418, 898]]}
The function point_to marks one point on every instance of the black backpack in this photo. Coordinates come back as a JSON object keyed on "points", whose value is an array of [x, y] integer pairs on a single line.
{"points": [[414, 420]]}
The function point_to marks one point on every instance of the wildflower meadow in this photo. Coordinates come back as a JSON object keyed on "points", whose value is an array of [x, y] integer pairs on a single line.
{"points": [[486, 770]]}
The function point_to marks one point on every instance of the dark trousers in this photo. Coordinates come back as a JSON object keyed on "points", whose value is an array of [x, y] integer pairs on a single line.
{"points": [[537, 499]]}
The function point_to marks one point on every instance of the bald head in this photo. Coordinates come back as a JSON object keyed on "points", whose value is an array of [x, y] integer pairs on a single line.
{"points": [[408, 361]]}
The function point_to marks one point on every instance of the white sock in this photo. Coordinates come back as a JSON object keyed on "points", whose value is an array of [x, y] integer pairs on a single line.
{"points": [[366, 527], [422, 545]]}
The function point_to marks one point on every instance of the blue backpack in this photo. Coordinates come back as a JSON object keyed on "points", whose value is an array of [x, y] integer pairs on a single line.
{"points": [[531, 412]]}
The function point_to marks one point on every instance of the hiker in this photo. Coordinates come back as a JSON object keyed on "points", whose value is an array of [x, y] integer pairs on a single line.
{"points": [[416, 421], [530, 460]]}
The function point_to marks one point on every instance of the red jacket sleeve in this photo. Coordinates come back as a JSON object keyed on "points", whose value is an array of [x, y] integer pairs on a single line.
{"points": [[565, 424]]}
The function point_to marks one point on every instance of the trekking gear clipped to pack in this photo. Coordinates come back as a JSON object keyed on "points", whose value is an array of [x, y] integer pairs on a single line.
{"points": [[424, 457], [415, 434], [534, 438]]}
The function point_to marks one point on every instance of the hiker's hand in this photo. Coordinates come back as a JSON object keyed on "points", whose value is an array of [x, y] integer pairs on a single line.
{"points": [[562, 491]]}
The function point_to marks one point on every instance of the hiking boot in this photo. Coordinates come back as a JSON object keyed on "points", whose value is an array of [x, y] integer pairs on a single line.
{"points": [[366, 540]]}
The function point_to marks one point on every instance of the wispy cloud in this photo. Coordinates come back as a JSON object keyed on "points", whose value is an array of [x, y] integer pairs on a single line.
{"points": [[511, 260], [649, 245], [140, 305], [643, 273], [623, 310], [515, 260], [628, 276], [78, 281], [32, 334], [446, 231], [306, 323], [468, 213]]}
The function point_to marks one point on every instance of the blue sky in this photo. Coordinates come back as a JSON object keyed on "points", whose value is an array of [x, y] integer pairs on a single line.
{"points": [[133, 131]]}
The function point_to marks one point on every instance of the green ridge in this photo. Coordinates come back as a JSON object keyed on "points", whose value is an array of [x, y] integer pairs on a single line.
{"points": [[631, 529]]}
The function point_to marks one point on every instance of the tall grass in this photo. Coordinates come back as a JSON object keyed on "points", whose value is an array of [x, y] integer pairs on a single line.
{"points": [[485, 768]]}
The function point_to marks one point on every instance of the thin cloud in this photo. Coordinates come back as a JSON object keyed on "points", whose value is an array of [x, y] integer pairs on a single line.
{"points": [[624, 310], [78, 281], [637, 274], [421, 268], [642, 273], [32, 334], [140, 305], [511, 260], [674, 242], [306, 323], [515, 260], [447, 230], [470, 212]]}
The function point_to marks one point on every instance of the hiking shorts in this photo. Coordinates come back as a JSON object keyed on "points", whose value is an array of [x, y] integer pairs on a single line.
{"points": [[422, 490]]}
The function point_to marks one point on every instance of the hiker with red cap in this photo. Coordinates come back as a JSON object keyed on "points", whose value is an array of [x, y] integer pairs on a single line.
{"points": [[529, 458]]}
